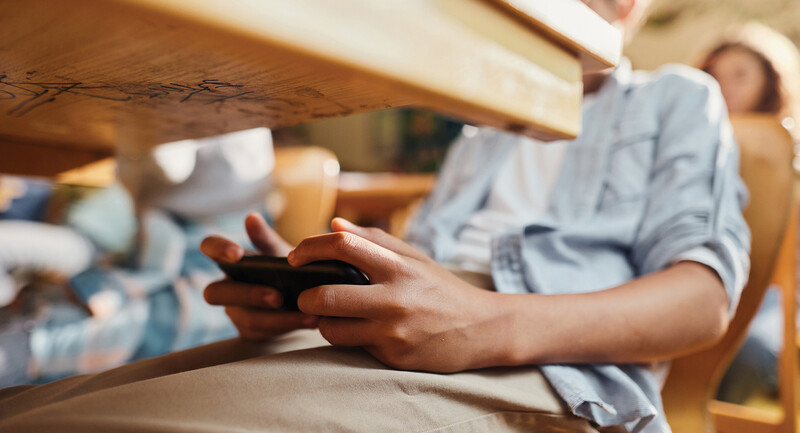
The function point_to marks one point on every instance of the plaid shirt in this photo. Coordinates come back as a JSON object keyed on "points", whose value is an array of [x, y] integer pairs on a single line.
{"points": [[153, 309]]}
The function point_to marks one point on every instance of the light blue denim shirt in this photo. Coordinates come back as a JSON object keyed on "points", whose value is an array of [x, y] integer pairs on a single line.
{"points": [[653, 175]]}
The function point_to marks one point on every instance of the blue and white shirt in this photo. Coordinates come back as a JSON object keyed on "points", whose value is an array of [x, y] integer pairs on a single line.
{"points": [[652, 177]]}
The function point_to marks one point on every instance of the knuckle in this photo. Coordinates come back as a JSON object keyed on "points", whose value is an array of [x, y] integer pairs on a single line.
{"points": [[400, 305], [403, 268], [326, 299], [344, 241], [401, 358], [399, 337], [397, 344]]}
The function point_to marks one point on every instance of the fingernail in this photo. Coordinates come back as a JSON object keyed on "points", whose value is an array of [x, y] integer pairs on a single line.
{"points": [[271, 299], [232, 253], [290, 257]]}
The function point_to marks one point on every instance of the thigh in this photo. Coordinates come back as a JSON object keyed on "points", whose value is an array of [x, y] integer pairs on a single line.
{"points": [[25, 398], [320, 389]]}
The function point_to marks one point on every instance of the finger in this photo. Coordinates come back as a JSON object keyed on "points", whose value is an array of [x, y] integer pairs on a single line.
{"points": [[375, 261], [249, 334], [346, 332], [264, 237], [343, 300], [227, 292], [378, 237], [277, 322], [220, 249]]}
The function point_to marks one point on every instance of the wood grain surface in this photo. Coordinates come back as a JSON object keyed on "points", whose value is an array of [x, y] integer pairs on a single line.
{"points": [[100, 76]]}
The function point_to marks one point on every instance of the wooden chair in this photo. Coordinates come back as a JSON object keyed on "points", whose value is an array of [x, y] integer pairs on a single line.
{"points": [[306, 178], [766, 155], [733, 418], [386, 199]]}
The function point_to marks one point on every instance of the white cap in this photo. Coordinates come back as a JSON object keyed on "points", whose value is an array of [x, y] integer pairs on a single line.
{"points": [[204, 177]]}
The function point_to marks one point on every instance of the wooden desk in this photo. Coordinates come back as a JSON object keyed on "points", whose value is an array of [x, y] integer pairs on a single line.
{"points": [[83, 79]]}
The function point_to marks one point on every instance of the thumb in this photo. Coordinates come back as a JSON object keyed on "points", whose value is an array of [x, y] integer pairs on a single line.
{"points": [[264, 237]]}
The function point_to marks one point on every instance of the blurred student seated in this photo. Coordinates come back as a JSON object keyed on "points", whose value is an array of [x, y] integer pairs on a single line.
{"points": [[30, 248], [135, 285], [30, 251], [757, 69]]}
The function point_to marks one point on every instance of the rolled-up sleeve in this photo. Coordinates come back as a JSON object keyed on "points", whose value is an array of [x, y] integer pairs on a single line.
{"points": [[696, 194]]}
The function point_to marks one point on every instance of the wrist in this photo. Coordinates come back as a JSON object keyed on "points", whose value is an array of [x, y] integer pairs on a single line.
{"points": [[510, 332], [526, 328]]}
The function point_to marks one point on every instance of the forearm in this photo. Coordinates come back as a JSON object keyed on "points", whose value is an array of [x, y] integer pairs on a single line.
{"points": [[656, 317]]}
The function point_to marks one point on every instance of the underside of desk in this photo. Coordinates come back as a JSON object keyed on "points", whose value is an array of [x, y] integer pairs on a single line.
{"points": [[96, 77]]}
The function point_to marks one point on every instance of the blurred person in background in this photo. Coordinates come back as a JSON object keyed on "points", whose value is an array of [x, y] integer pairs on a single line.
{"points": [[32, 252], [28, 245], [758, 70], [142, 297]]}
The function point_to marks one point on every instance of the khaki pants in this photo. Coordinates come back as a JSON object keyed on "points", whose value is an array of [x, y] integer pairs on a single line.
{"points": [[287, 385]]}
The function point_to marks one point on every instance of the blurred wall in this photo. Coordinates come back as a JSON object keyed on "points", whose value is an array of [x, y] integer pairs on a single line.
{"points": [[680, 30], [362, 142], [684, 42]]}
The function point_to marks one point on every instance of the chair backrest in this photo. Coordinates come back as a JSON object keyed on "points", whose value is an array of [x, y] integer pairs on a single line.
{"points": [[766, 168], [306, 178]]}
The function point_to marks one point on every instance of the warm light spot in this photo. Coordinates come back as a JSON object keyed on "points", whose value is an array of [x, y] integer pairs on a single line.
{"points": [[469, 131], [331, 167]]}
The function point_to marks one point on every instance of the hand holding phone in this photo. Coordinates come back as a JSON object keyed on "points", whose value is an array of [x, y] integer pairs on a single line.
{"points": [[276, 272]]}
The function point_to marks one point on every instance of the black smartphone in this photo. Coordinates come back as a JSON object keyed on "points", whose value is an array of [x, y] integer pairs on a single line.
{"points": [[276, 272]]}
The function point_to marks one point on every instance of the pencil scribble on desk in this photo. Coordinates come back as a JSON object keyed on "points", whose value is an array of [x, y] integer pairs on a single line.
{"points": [[29, 95]]}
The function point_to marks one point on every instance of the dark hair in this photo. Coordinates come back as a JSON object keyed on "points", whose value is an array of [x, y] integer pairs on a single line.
{"points": [[773, 99]]}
